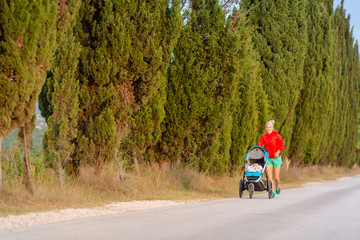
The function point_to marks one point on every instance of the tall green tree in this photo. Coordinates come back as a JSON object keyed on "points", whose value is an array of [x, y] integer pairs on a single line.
{"points": [[153, 33], [201, 90], [100, 31], [250, 109], [125, 53], [280, 39], [29, 33], [315, 108], [61, 89], [344, 124]]}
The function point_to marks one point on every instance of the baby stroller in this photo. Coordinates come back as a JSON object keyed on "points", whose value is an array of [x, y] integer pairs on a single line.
{"points": [[255, 165]]}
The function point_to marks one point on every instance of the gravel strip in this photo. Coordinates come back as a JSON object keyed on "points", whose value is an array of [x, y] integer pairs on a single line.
{"points": [[30, 219]]}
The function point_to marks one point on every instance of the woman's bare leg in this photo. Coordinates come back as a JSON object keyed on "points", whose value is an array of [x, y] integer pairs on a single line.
{"points": [[269, 171], [277, 176]]}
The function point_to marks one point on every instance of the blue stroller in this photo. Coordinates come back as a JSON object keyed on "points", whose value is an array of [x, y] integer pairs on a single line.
{"points": [[255, 165]]}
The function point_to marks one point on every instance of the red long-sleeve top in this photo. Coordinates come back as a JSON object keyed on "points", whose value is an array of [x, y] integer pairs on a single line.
{"points": [[273, 143]]}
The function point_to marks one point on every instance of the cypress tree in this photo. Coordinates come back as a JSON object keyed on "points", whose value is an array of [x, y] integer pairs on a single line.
{"points": [[280, 39], [153, 33], [101, 33], [344, 124], [250, 109], [62, 122], [353, 121], [357, 81], [314, 110], [122, 66], [28, 39], [201, 90], [125, 51]]}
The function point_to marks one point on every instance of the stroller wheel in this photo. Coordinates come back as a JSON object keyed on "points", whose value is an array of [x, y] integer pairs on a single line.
{"points": [[251, 190], [241, 188], [269, 188]]}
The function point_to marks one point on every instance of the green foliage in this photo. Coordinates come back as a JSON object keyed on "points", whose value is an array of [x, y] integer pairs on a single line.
{"points": [[100, 145], [27, 43], [81, 89], [28, 38], [345, 121], [315, 108], [135, 80], [152, 34], [13, 167], [12, 164], [201, 91], [58, 100], [251, 104], [281, 40], [121, 77], [59, 139], [100, 32]]}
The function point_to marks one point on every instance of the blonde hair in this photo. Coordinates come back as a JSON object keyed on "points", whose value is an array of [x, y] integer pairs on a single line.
{"points": [[272, 122]]}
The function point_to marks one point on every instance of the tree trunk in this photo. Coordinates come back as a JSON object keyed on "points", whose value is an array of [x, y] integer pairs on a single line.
{"points": [[287, 163], [1, 186], [135, 161], [29, 184], [119, 164], [60, 173]]}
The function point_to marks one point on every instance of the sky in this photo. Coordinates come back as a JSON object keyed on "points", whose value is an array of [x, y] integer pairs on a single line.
{"points": [[353, 8]]}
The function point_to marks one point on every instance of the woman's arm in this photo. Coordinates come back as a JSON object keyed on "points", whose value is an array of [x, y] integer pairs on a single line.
{"points": [[281, 143], [280, 146]]}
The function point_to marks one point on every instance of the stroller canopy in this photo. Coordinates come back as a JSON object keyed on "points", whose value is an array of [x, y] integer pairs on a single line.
{"points": [[257, 153]]}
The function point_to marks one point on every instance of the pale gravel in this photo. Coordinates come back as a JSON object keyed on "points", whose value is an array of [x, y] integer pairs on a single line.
{"points": [[30, 219]]}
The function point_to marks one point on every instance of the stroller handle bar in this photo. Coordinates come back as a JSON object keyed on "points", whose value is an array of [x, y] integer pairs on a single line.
{"points": [[259, 147]]}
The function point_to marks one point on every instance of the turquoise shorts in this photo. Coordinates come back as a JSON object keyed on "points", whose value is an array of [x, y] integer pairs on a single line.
{"points": [[276, 162]]}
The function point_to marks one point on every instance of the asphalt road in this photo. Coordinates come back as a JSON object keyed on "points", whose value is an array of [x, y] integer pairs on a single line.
{"points": [[326, 211]]}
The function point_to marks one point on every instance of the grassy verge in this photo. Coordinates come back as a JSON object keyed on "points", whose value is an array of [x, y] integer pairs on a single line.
{"points": [[298, 177], [178, 183]]}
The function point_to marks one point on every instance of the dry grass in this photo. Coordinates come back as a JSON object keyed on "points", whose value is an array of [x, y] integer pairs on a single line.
{"points": [[297, 177], [176, 183]]}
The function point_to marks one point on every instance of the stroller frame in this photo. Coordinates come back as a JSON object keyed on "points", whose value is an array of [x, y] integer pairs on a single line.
{"points": [[252, 181]]}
